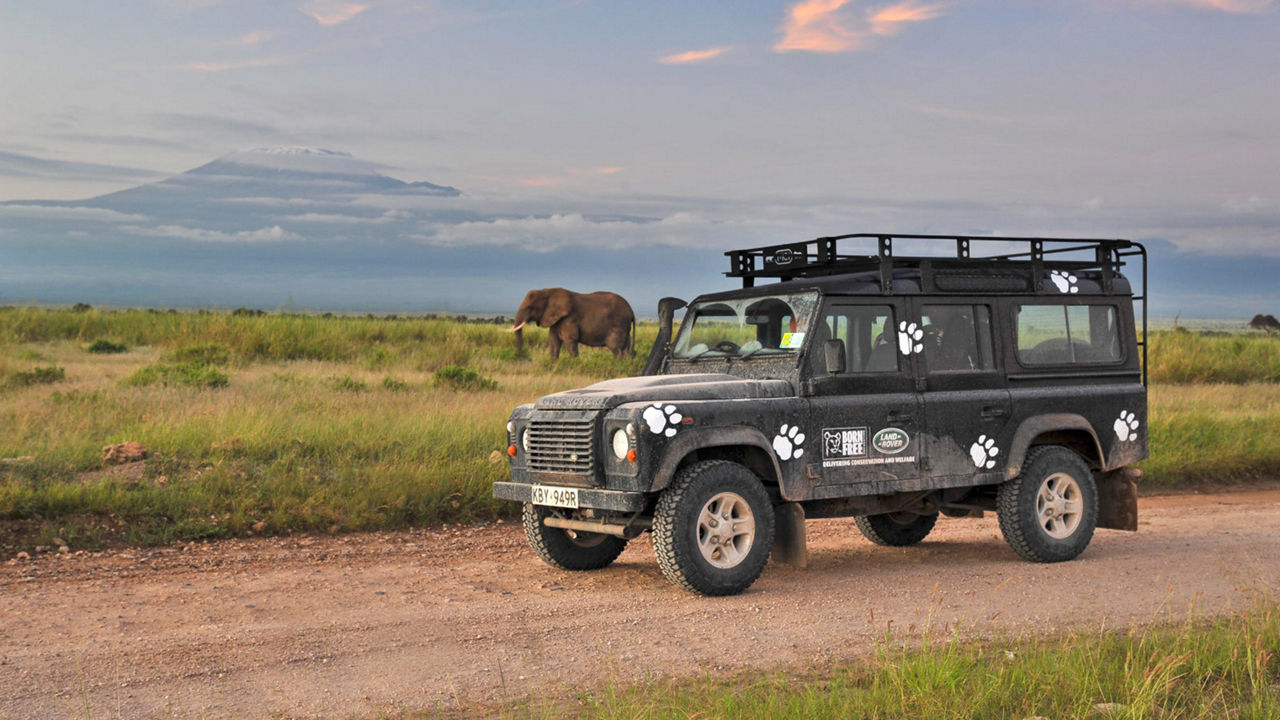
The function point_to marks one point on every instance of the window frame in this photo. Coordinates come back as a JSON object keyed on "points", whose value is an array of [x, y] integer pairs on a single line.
{"points": [[1117, 322]]}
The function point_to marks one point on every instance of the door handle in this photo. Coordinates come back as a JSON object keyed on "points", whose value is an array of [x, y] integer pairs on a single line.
{"points": [[992, 411], [897, 417]]}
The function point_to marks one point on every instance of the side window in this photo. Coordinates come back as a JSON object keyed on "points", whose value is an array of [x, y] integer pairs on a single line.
{"points": [[958, 337], [870, 345], [1068, 334]]}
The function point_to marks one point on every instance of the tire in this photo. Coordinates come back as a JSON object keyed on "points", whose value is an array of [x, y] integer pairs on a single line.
{"points": [[895, 529], [1049, 512], [691, 511], [587, 551]]}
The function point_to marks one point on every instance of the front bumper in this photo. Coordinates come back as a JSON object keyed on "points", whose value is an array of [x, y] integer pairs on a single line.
{"points": [[616, 500]]}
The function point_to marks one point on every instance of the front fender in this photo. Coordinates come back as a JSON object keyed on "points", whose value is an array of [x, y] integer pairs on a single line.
{"points": [[691, 440]]}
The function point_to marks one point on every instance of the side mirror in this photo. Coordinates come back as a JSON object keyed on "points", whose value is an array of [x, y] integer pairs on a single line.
{"points": [[833, 350], [667, 308]]}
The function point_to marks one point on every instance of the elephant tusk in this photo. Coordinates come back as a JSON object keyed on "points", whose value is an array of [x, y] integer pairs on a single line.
{"points": [[517, 327]]}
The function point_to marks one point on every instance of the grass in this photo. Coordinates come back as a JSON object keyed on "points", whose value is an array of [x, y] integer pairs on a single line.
{"points": [[1188, 670], [318, 424]]}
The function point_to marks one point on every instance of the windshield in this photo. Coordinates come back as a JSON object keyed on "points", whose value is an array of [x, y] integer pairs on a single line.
{"points": [[746, 327]]}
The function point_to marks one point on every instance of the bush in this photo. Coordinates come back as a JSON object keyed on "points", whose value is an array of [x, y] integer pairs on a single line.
{"points": [[210, 354], [38, 376], [106, 347], [81, 307], [189, 374], [461, 378], [390, 383], [346, 383]]}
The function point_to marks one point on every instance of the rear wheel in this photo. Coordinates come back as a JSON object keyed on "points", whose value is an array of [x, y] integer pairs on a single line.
{"points": [[713, 528], [568, 549], [1049, 512], [896, 529]]}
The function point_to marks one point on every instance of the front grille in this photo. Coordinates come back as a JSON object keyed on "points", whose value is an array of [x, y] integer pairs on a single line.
{"points": [[561, 446]]}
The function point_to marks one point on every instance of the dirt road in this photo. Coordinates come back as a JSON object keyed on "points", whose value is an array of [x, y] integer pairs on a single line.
{"points": [[424, 620]]}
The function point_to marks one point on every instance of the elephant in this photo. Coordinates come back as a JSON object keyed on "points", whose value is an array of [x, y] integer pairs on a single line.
{"points": [[598, 319]]}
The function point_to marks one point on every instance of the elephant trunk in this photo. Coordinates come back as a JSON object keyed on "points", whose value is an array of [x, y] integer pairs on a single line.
{"points": [[519, 331]]}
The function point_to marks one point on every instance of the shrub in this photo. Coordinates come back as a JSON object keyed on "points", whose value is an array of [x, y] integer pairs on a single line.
{"points": [[189, 374], [38, 376], [461, 378], [209, 354], [81, 307], [106, 347], [390, 383], [346, 383]]}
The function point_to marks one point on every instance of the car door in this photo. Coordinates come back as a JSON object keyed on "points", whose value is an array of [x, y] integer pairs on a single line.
{"points": [[967, 405], [868, 417]]}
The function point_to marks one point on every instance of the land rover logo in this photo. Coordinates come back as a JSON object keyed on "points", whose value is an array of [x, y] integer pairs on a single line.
{"points": [[783, 256], [890, 441]]}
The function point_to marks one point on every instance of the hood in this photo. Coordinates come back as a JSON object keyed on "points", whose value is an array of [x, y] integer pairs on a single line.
{"points": [[707, 386]]}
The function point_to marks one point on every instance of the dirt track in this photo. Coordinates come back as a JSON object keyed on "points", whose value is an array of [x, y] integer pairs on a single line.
{"points": [[363, 624]]}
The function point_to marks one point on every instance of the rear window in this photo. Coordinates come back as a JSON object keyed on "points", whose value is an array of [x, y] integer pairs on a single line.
{"points": [[1068, 334]]}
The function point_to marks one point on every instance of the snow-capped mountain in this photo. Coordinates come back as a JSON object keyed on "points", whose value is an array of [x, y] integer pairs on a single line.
{"points": [[320, 227]]}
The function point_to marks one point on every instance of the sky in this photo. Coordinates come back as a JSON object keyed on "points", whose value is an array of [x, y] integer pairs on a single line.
{"points": [[719, 124]]}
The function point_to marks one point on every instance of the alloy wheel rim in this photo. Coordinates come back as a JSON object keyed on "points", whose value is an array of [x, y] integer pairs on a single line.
{"points": [[1059, 506], [726, 530]]}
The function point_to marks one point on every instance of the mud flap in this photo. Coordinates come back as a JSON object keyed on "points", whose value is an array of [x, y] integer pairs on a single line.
{"points": [[1118, 498], [789, 544]]}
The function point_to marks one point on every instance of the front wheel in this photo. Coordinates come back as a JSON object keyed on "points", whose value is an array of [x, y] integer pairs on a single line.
{"points": [[1049, 512], [566, 549], [896, 529], [713, 528]]}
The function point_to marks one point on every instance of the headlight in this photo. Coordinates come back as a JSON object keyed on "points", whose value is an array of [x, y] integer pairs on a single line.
{"points": [[511, 430], [621, 444], [524, 440]]}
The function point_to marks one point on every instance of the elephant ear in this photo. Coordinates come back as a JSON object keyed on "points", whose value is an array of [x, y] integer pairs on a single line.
{"points": [[558, 308]]}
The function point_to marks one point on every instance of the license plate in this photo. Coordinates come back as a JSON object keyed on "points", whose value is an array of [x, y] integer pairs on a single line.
{"points": [[555, 496]]}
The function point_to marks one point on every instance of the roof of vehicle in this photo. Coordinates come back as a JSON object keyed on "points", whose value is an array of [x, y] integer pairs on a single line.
{"points": [[1019, 265]]}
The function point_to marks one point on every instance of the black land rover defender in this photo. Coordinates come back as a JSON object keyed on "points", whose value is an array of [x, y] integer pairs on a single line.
{"points": [[889, 389]]}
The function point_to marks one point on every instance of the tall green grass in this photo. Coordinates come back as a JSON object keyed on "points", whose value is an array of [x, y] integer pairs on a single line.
{"points": [[1190, 670], [1186, 358], [306, 423]]}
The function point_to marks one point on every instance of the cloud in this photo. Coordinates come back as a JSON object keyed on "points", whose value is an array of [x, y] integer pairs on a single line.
{"points": [[73, 213], [235, 64], [596, 171], [829, 26], [254, 38], [219, 129], [330, 12], [275, 233], [693, 56], [816, 26], [1237, 7], [549, 233], [16, 165], [389, 216], [890, 20]]}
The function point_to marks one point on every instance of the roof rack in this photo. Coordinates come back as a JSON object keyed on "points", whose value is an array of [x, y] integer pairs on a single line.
{"points": [[1020, 272]]}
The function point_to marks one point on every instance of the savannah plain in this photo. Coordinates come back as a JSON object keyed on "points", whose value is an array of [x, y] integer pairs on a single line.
{"points": [[312, 534]]}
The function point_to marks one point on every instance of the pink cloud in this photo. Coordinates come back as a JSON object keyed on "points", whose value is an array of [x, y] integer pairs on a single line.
{"points": [[889, 20], [816, 26], [831, 26], [692, 56], [596, 171], [329, 12]]}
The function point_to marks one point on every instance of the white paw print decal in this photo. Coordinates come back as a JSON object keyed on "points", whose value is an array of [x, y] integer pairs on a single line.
{"points": [[1126, 426], [787, 442], [662, 419], [1064, 281], [909, 337], [983, 453]]}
